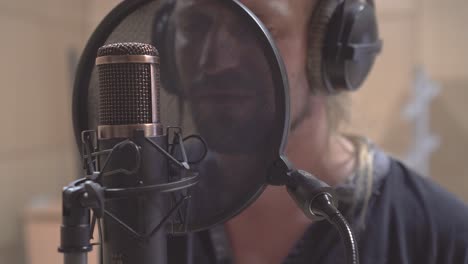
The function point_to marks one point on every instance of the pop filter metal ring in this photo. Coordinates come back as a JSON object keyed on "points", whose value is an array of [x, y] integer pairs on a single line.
{"points": [[126, 8]]}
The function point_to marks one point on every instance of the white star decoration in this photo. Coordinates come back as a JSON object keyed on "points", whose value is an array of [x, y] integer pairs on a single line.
{"points": [[424, 142]]}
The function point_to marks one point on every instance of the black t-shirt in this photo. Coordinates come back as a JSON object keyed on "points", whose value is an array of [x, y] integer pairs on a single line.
{"points": [[409, 219]]}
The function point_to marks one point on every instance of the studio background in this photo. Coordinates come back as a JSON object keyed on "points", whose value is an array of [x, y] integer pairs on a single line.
{"points": [[413, 105]]}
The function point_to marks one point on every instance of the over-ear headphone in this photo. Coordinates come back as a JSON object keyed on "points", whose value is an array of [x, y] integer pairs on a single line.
{"points": [[343, 42]]}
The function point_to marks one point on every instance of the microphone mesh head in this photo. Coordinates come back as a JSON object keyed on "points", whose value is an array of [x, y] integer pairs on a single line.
{"points": [[128, 48], [125, 94]]}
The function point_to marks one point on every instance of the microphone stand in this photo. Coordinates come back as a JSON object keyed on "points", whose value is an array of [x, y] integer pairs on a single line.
{"points": [[75, 232]]}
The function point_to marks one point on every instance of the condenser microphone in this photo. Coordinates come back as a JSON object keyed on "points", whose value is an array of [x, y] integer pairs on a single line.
{"points": [[134, 181], [129, 112]]}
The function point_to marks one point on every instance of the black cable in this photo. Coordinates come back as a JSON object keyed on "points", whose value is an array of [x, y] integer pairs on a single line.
{"points": [[205, 145]]}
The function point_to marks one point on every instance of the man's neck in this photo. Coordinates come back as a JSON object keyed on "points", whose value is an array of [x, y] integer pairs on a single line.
{"points": [[267, 230], [314, 148]]}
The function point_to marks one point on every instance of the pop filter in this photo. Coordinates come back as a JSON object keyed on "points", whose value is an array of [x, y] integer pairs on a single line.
{"points": [[222, 79]]}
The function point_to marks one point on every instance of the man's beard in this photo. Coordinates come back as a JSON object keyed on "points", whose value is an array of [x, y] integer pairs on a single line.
{"points": [[233, 111], [230, 134]]}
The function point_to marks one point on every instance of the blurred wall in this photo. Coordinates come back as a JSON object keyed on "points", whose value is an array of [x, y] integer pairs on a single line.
{"points": [[41, 42], [96, 11], [444, 42], [427, 35], [37, 153]]}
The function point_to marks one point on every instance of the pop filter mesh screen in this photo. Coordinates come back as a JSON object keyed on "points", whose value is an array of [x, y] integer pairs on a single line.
{"points": [[218, 82]]}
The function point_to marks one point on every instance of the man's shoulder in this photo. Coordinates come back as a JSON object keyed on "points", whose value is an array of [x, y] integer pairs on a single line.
{"points": [[415, 193], [412, 219], [402, 188], [422, 216]]}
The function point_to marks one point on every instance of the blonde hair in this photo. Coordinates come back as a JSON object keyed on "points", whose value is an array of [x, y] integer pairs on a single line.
{"points": [[337, 105], [338, 110]]}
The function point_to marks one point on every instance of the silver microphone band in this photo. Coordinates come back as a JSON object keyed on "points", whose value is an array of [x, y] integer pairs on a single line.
{"points": [[126, 131], [127, 59]]}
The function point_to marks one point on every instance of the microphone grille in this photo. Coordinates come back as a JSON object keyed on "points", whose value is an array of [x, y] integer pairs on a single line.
{"points": [[125, 89], [128, 48]]}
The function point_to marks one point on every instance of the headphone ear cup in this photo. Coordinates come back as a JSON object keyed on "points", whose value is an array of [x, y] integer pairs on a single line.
{"points": [[318, 27], [343, 44], [351, 46]]}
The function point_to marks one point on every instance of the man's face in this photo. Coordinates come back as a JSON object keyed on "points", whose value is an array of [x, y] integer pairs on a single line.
{"points": [[225, 75], [288, 21]]}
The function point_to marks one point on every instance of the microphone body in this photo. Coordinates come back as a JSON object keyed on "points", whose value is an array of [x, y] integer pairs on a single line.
{"points": [[129, 110], [142, 213]]}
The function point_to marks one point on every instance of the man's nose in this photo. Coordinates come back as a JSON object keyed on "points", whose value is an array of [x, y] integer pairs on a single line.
{"points": [[220, 51]]}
